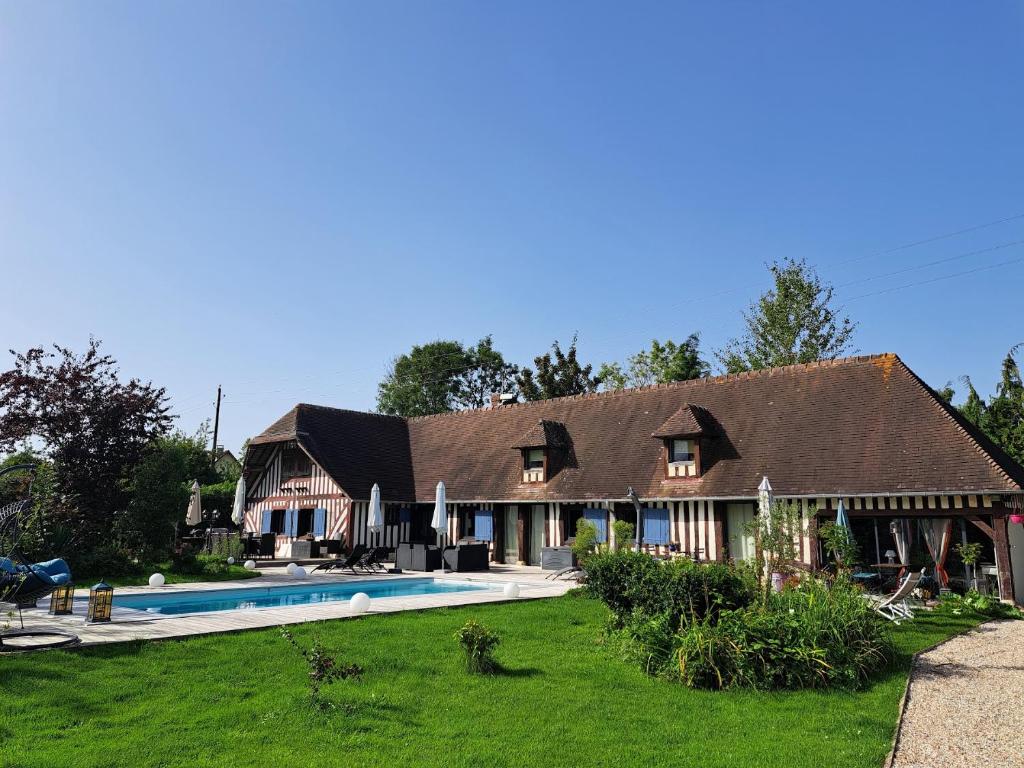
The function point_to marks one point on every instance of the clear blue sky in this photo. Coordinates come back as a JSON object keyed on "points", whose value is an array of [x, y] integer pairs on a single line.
{"points": [[279, 197]]}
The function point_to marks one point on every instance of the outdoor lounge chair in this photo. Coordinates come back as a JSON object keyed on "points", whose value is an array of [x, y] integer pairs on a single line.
{"points": [[357, 554], [895, 607], [571, 573], [373, 561]]}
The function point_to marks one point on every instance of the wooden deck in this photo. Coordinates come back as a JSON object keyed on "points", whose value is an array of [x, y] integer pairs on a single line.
{"points": [[127, 624]]}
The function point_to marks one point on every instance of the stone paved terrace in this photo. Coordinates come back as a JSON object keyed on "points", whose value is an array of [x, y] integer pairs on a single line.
{"points": [[135, 625]]}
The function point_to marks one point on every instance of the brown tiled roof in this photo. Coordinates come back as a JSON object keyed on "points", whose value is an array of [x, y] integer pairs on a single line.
{"points": [[544, 434], [854, 426], [356, 449], [688, 421]]}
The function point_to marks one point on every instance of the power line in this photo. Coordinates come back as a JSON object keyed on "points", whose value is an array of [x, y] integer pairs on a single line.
{"points": [[939, 279], [439, 375], [931, 263]]}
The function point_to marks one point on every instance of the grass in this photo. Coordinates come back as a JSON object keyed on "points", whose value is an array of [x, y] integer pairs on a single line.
{"points": [[223, 573], [563, 700]]}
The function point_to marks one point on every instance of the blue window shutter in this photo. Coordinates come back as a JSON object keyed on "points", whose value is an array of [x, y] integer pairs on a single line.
{"points": [[291, 522], [655, 526], [598, 517], [265, 516], [484, 525], [319, 523]]}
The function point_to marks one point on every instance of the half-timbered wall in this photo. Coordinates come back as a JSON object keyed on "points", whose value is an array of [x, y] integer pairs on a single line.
{"points": [[318, 491]]}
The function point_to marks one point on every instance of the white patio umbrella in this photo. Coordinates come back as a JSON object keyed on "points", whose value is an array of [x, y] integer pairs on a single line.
{"points": [[194, 516], [238, 508], [439, 522], [765, 497], [374, 517]]}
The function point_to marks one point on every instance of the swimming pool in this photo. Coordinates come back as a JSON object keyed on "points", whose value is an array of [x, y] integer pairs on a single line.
{"points": [[207, 601]]}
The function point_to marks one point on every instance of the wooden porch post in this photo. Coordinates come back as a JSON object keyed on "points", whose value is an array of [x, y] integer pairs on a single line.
{"points": [[1002, 547]]}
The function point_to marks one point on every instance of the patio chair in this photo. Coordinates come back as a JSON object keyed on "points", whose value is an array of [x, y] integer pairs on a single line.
{"points": [[895, 607], [571, 573], [357, 554], [373, 561]]}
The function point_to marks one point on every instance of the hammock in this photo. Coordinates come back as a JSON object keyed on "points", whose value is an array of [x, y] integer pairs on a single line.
{"points": [[22, 582]]}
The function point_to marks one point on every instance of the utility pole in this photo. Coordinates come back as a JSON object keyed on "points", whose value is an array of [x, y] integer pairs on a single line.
{"points": [[216, 427]]}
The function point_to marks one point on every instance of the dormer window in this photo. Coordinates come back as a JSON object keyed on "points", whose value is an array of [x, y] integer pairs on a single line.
{"points": [[681, 451], [543, 448], [533, 458], [682, 435], [534, 465]]}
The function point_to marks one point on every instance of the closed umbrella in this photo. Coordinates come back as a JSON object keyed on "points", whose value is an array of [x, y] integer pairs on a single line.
{"points": [[238, 508], [439, 522], [765, 497], [375, 518], [841, 519], [194, 516]]}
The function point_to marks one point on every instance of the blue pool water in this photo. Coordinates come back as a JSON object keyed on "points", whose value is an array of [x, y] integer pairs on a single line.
{"points": [[285, 596]]}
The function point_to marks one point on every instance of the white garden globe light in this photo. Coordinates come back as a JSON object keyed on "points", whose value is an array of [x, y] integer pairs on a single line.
{"points": [[298, 572], [360, 602], [511, 590], [157, 580], [231, 561], [250, 565], [290, 568]]}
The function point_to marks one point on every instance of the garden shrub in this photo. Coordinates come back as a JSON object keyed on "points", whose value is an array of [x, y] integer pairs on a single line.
{"points": [[814, 636], [625, 534], [631, 583], [478, 642], [585, 542]]}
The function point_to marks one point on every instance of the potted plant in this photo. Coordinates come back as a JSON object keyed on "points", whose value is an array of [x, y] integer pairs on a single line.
{"points": [[969, 553]]}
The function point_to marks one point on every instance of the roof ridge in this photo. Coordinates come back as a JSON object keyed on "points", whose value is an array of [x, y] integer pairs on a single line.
{"points": [[346, 410], [947, 410], [687, 383]]}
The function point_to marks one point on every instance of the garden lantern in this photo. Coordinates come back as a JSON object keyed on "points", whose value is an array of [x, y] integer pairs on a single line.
{"points": [[62, 599], [101, 600]]}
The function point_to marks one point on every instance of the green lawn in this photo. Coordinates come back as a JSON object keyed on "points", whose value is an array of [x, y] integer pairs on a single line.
{"points": [[240, 700], [227, 573]]}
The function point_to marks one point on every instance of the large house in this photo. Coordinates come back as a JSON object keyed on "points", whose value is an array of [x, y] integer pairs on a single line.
{"points": [[912, 473]]}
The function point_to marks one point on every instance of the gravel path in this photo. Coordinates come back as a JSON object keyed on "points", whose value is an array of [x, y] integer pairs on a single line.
{"points": [[965, 706]]}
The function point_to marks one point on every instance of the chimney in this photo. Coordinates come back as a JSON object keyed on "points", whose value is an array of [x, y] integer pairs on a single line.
{"points": [[499, 399]]}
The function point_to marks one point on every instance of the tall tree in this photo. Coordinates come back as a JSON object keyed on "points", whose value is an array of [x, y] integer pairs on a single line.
{"points": [[559, 374], [1001, 418], [487, 373], [92, 426], [444, 376], [159, 489], [426, 380], [659, 365], [794, 322], [1004, 415]]}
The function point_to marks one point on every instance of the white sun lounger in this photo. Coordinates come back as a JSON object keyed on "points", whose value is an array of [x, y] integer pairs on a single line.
{"points": [[895, 607]]}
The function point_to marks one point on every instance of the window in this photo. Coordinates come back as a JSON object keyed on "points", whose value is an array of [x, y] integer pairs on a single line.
{"points": [[680, 450], [534, 459], [295, 463]]}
